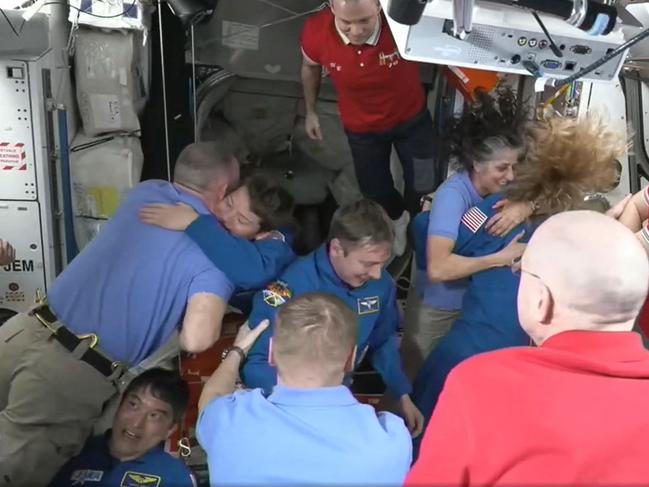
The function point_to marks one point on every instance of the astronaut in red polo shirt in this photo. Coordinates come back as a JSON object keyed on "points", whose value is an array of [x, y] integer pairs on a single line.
{"points": [[381, 101]]}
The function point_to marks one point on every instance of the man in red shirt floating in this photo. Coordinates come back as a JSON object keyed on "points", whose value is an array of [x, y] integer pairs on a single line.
{"points": [[381, 102], [571, 412]]}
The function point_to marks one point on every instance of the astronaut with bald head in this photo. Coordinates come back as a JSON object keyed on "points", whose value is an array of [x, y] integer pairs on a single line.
{"points": [[571, 411]]}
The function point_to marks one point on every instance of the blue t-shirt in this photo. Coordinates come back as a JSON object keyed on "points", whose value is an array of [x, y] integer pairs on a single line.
{"points": [[131, 284], [451, 202], [302, 437], [374, 303], [489, 319], [95, 467]]}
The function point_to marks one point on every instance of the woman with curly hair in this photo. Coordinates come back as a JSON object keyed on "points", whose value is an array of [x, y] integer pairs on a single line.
{"points": [[485, 142], [566, 160]]}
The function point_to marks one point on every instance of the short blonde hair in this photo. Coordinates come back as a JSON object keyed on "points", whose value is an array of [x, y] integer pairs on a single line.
{"points": [[316, 331]]}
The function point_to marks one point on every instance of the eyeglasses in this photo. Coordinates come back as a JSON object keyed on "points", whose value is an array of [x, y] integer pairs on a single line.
{"points": [[517, 269]]}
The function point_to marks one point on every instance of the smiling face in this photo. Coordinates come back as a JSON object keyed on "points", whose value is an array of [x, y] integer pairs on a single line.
{"points": [[492, 175], [356, 19], [235, 214], [357, 265], [141, 423]]}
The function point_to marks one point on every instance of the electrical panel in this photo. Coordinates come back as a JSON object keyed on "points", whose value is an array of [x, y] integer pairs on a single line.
{"points": [[506, 39]]}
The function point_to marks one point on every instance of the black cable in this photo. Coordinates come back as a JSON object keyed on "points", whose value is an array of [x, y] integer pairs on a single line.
{"points": [[604, 59], [555, 49], [10, 24]]}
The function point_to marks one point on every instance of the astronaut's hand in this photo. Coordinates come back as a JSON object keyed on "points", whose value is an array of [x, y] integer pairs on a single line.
{"points": [[513, 251], [411, 415], [246, 337], [7, 253], [510, 215], [172, 217], [618, 209], [312, 126]]}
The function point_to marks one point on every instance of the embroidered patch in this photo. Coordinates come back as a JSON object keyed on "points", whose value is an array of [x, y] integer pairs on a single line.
{"points": [[81, 476], [474, 219], [276, 294], [390, 59], [369, 305], [136, 479]]}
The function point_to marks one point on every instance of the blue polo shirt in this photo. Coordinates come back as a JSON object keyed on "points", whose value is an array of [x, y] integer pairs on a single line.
{"points": [[131, 284], [302, 437], [374, 303], [95, 467], [250, 265], [489, 319], [452, 200]]}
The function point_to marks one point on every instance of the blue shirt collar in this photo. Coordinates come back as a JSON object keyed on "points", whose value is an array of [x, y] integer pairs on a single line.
{"points": [[326, 269], [470, 186], [101, 442], [324, 396], [192, 200]]}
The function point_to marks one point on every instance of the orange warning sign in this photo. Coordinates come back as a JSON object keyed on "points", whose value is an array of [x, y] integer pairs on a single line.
{"points": [[12, 157]]}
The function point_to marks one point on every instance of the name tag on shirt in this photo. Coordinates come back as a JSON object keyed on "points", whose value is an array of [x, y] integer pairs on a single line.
{"points": [[79, 477], [369, 305]]}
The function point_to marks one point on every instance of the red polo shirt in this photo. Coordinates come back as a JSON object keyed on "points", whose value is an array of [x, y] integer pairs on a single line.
{"points": [[572, 412], [377, 90]]}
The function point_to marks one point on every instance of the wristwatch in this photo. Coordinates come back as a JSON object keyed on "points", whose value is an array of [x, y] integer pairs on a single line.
{"points": [[236, 349]]}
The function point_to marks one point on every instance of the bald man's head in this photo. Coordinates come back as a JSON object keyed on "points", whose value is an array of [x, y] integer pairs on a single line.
{"points": [[581, 270]]}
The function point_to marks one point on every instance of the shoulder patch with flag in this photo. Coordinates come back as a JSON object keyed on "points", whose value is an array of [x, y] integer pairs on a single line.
{"points": [[474, 219]]}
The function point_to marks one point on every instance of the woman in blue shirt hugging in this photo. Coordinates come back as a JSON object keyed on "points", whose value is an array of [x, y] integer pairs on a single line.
{"points": [[486, 142]]}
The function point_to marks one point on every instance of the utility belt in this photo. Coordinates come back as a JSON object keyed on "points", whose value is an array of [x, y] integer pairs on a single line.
{"points": [[84, 347]]}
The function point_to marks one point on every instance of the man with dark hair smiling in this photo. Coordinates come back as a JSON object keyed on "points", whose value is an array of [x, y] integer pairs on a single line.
{"points": [[132, 452]]}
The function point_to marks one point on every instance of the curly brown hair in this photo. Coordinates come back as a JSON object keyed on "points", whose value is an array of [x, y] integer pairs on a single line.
{"points": [[490, 123], [567, 159]]}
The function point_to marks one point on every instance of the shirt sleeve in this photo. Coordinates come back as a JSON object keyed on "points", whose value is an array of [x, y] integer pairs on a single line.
{"points": [[446, 213], [216, 418], [248, 265], [384, 349], [211, 281], [310, 41], [446, 448], [395, 427]]}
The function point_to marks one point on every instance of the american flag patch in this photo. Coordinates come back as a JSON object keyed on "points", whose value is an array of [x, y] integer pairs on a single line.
{"points": [[474, 219]]}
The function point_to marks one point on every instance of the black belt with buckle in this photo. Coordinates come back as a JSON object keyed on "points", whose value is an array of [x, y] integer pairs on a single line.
{"points": [[70, 342]]}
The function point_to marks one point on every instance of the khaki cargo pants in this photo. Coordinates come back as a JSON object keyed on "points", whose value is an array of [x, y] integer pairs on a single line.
{"points": [[424, 327], [49, 400]]}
